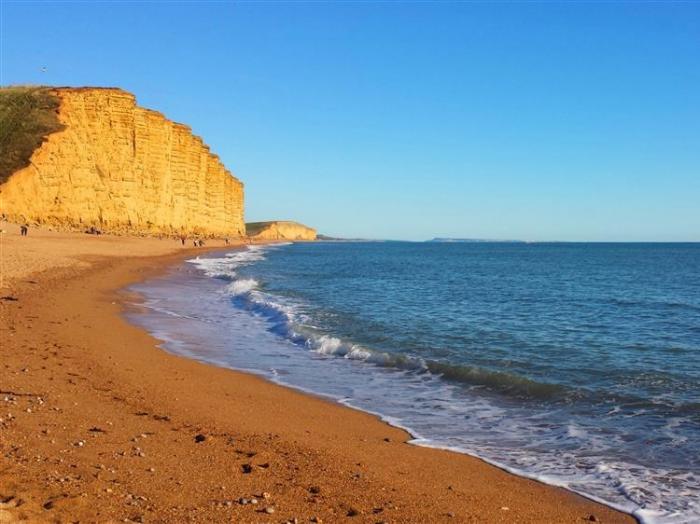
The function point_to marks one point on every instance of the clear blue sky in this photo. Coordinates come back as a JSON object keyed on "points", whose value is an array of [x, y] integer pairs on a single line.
{"points": [[540, 121]]}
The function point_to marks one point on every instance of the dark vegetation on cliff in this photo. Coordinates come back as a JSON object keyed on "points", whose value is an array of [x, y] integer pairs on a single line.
{"points": [[27, 116]]}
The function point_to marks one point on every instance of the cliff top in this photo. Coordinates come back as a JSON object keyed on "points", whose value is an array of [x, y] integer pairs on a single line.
{"points": [[27, 116], [254, 227]]}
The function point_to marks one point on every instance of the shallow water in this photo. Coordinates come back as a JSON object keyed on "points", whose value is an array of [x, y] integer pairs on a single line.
{"points": [[576, 364]]}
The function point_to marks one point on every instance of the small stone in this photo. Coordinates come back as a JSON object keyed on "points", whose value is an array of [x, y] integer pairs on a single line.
{"points": [[315, 490], [505, 508], [265, 495], [317, 520], [592, 518], [269, 510], [387, 439], [352, 512], [199, 438], [253, 501], [151, 470], [243, 501], [228, 503]]}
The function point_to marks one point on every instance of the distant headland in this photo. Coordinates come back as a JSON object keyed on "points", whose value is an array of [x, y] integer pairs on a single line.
{"points": [[474, 240]]}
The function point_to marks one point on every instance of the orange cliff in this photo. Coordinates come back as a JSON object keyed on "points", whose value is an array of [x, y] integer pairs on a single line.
{"points": [[280, 230], [123, 169]]}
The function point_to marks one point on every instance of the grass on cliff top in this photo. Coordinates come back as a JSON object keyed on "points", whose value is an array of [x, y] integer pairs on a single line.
{"points": [[27, 116], [253, 228]]}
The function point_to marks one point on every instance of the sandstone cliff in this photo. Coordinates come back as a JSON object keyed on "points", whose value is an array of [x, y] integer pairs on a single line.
{"points": [[280, 230], [123, 168]]}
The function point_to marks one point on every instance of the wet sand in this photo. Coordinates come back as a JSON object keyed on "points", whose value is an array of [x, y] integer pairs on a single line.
{"points": [[100, 425]]}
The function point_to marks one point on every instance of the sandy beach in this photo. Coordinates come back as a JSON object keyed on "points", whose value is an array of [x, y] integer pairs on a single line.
{"points": [[97, 424]]}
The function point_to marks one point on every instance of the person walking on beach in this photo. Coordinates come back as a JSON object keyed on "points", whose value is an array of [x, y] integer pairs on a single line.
{"points": [[182, 239], [24, 229]]}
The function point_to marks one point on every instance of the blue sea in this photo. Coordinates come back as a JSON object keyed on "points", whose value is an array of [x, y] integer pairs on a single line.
{"points": [[575, 364]]}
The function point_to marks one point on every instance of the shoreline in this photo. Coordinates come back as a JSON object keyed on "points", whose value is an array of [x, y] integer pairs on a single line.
{"points": [[413, 437], [106, 383]]}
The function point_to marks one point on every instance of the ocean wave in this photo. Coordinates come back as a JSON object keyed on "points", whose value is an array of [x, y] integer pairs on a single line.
{"points": [[242, 286], [509, 383], [224, 268], [289, 322], [625, 302]]}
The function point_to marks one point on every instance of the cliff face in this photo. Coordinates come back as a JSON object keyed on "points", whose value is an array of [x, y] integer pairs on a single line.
{"points": [[123, 168], [280, 230]]}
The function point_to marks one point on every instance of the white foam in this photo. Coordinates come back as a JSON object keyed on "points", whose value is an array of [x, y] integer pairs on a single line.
{"points": [[329, 346], [242, 286]]}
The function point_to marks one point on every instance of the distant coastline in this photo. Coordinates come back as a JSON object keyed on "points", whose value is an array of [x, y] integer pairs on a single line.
{"points": [[474, 240]]}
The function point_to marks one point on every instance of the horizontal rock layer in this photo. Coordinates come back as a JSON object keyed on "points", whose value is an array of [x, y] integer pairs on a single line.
{"points": [[280, 230], [124, 169]]}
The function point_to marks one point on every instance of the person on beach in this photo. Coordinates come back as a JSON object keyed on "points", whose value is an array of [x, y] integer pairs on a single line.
{"points": [[24, 229], [182, 239]]}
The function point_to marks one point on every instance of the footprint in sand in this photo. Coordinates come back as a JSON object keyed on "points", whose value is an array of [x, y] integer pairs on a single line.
{"points": [[7, 503]]}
